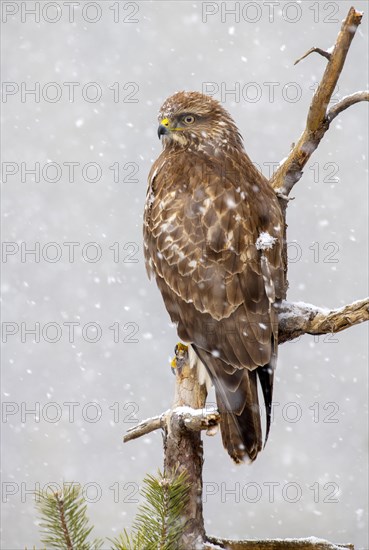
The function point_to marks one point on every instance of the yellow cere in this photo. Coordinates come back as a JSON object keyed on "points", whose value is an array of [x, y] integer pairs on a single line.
{"points": [[181, 347], [166, 122]]}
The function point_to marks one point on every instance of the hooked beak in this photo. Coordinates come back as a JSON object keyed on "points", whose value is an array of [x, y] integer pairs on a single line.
{"points": [[163, 128]]}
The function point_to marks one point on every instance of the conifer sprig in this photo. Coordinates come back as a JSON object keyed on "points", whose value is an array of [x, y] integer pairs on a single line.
{"points": [[64, 523], [158, 524]]}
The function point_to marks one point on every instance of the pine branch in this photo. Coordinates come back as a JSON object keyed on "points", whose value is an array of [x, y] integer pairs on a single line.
{"points": [[125, 542], [64, 523], [158, 524], [159, 519]]}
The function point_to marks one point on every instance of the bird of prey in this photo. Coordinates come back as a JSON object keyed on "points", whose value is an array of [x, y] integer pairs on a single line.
{"points": [[213, 235]]}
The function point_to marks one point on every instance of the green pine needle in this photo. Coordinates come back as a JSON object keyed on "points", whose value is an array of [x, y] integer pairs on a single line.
{"points": [[158, 524], [64, 523], [125, 542]]}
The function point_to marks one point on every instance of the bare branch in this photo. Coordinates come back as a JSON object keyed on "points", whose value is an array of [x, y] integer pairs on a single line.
{"points": [[290, 171], [311, 543], [333, 70], [317, 50], [345, 103], [145, 427], [296, 319]]}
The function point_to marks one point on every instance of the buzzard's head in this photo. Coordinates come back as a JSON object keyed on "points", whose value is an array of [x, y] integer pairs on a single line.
{"points": [[196, 121]]}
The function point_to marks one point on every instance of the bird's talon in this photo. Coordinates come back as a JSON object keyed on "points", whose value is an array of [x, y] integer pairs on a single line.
{"points": [[180, 350]]}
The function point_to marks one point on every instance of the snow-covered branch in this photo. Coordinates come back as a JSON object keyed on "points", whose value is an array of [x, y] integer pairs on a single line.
{"points": [[192, 419], [311, 543], [295, 319], [318, 120]]}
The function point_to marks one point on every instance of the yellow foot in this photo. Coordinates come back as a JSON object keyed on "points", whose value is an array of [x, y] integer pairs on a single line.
{"points": [[180, 351]]}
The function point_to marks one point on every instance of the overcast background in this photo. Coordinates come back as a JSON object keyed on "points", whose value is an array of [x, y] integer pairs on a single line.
{"points": [[136, 54]]}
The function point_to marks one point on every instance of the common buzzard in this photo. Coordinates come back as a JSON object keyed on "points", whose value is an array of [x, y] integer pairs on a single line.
{"points": [[213, 235]]}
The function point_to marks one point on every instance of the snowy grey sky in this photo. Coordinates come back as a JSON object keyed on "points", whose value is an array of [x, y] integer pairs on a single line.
{"points": [[100, 356]]}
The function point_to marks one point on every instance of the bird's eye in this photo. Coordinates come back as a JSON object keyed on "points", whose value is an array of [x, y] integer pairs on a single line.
{"points": [[189, 119]]}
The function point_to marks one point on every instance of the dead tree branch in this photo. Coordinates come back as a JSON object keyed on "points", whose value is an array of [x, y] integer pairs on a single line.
{"points": [[325, 54], [192, 419], [345, 103], [145, 427], [311, 543], [296, 319], [318, 120]]}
